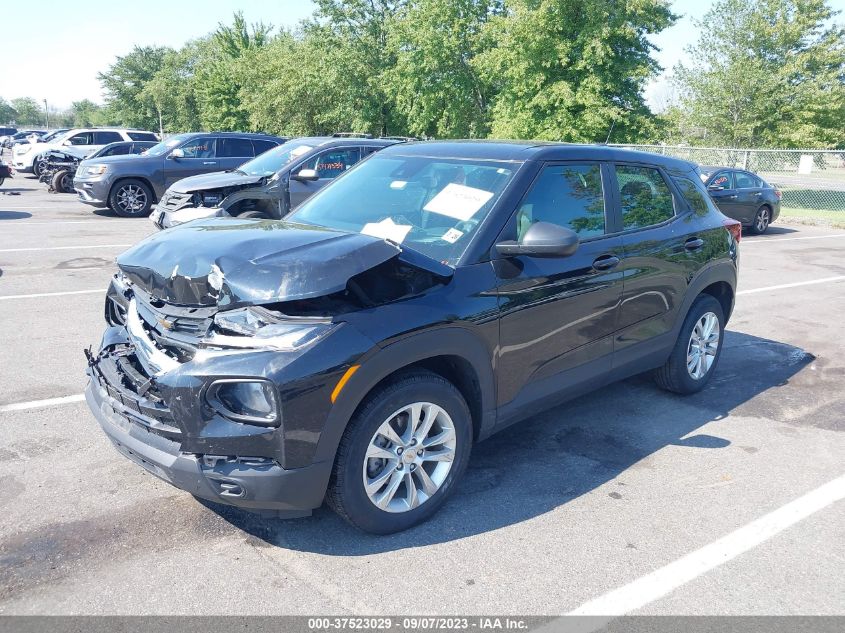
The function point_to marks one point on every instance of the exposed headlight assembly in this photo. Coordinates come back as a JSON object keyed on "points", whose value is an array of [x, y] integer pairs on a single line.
{"points": [[259, 328], [94, 170], [245, 400]]}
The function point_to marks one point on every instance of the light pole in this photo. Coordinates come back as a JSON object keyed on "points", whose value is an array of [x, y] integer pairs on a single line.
{"points": [[47, 114]]}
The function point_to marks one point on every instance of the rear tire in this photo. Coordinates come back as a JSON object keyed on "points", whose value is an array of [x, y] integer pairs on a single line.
{"points": [[761, 221], [131, 199], [412, 459], [696, 353], [36, 167]]}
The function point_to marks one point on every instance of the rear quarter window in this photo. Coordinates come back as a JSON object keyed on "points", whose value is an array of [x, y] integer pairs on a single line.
{"points": [[695, 195]]}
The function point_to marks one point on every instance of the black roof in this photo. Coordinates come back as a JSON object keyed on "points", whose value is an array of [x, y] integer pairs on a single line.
{"points": [[533, 150], [260, 135], [339, 141]]}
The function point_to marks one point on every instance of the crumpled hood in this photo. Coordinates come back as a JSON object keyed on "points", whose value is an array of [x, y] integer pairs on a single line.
{"points": [[214, 180], [232, 262], [73, 152]]}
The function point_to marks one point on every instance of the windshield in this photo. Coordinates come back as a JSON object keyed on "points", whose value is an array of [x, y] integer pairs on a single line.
{"points": [[273, 160], [433, 205], [165, 146], [52, 135]]}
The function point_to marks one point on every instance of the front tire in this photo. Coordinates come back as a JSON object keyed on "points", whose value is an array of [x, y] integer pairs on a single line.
{"points": [[62, 182], [761, 222], [36, 167], [131, 199], [401, 454], [696, 353]]}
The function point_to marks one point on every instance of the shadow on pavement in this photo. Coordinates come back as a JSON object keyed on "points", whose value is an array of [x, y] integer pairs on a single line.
{"points": [[772, 231], [546, 461], [14, 215]]}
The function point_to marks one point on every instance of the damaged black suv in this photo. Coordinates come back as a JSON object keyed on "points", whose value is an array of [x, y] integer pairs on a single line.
{"points": [[434, 294]]}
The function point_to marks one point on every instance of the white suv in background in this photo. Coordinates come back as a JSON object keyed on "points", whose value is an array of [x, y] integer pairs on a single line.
{"points": [[25, 156]]}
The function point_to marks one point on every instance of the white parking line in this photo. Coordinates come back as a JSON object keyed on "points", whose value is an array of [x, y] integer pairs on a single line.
{"points": [[61, 248], [823, 280], [764, 240], [38, 404], [663, 581], [51, 294]]}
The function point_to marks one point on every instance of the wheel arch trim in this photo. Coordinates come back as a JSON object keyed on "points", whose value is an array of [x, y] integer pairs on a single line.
{"points": [[383, 362]]}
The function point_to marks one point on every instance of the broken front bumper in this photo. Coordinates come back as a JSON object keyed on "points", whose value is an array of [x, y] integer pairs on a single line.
{"points": [[250, 483], [164, 218]]}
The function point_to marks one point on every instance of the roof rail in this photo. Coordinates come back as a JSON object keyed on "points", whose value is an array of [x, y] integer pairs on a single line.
{"points": [[406, 139], [351, 135]]}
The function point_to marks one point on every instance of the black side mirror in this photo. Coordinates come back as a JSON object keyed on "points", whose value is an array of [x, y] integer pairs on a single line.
{"points": [[542, 239]]}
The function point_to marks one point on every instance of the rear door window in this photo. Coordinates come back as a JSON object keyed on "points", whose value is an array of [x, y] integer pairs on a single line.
{"points": [[262, 146], [745, 180], [202, 147], [644, 196], [106, 137], [142, 136], [234, 148], [569, 195]]}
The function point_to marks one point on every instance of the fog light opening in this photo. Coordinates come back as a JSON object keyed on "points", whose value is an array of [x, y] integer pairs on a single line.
{"points": [[243, 400]]}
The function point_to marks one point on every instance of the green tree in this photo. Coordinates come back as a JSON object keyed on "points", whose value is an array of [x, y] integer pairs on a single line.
{"points": [[7, 112], [124, 84], [28, 111], [568, 70], [218, 77], [172, 90], [84, 113], [354, 37], [435, 83], [767, 73], [294, 87]]}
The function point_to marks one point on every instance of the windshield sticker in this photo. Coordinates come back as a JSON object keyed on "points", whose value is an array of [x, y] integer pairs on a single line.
{"points": [[452, 236], [458, 201], [299, 151], [387, 229], [399, 184]]}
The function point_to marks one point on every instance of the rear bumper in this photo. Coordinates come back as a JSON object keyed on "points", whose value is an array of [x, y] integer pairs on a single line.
{"points": [[229, 480]]}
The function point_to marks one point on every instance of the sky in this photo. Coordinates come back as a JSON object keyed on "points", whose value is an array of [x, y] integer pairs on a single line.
{"points": [[56, 54]]}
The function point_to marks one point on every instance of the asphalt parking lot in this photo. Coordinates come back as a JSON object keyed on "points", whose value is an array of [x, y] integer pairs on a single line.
{"points": [[726, 502]]}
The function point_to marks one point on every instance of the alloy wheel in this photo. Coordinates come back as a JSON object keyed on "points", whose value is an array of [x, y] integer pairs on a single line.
{"points": [[409, 457], [762, 221], [703, 345], [67, 183], [131, 199]]}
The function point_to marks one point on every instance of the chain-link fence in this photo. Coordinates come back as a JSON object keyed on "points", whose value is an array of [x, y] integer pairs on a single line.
{"points": [[811, 180]]}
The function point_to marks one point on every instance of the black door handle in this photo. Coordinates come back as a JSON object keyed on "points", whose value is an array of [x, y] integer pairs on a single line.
{"points": [[606, 262], [693, 244]]}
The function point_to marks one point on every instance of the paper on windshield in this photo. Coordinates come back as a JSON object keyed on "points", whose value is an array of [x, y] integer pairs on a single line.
{"points": [[458, 201], [299, 151], [451, 236], [387, 229]]}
